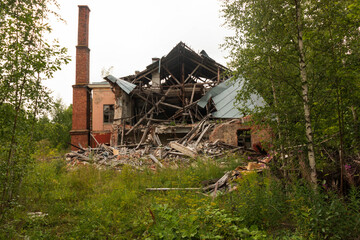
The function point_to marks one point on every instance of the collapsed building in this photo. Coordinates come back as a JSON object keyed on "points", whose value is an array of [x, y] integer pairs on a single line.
{"points": [[172, 99]]}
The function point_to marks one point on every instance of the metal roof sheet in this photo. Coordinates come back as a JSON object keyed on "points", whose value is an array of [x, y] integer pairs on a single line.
{"points": [[124, 85], [212, 93], [225, 101], [224, 98]]}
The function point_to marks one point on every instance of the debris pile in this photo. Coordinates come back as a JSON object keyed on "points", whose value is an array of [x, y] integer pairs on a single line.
{"points": [[152, 152], [227, 182]]}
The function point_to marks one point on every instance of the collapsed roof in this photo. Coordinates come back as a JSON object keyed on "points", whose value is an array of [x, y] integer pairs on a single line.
{"points": [[183, 87], [169, 88], [181, 65]]}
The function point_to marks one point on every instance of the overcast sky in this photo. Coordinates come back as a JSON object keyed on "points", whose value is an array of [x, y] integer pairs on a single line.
{"points": [[127, 34]]}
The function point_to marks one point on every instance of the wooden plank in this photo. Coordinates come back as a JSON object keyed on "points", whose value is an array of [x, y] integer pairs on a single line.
{"points": [[191, 116], [202, 134], [222, 181], [156, 161], [194, 134], [177, 153], [97, 143], [157, 139], [172, 189], [193, 129], [181, 148]]}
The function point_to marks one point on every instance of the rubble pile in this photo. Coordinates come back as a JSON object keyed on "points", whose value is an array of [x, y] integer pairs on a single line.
{"points": [[227, 182], [149, 155], [152, 153]]}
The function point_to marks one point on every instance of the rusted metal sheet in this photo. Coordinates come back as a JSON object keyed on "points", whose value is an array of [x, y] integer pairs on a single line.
{"points": [[101, 138]]}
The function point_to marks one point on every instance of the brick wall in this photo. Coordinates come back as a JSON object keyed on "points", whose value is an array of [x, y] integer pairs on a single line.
{"points": [[227, 132]]}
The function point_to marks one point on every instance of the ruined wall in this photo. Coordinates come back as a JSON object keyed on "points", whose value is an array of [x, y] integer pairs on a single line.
{"points": [[101, 97], [227, 132], [123, 110], [124, 105]]}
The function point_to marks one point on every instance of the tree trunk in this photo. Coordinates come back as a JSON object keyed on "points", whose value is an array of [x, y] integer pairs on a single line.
{"points": [[305, 97], [278, 122]]}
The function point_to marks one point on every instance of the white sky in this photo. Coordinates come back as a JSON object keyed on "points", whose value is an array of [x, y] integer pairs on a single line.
{"points": [[126, 34]]}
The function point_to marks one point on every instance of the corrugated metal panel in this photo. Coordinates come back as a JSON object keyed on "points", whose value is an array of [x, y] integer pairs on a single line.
{"points": [[224, 98], [225, 102], [124, 85], [212, 93]]}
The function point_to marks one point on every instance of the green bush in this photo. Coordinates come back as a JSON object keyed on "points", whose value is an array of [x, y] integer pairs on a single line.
{"points": [[88, 203], [260, 200], [325, 215], [205, 222]]}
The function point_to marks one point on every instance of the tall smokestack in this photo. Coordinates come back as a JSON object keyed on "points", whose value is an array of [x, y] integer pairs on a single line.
{"points": [[81, 97]]}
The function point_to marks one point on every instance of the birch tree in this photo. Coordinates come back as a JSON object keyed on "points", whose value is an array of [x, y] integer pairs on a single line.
{"points": [[297, 54], [26, 59]]}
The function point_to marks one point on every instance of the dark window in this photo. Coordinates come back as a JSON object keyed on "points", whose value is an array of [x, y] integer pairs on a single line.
{"points": [[108, 113], [244, 138]]}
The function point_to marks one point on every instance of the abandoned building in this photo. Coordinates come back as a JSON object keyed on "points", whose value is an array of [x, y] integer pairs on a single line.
{"points": [[163, 102]]}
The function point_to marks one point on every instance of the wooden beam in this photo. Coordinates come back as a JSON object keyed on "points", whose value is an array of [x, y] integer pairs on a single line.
{"points": [[192, 94], [171, 74], [181, 148], [143, 75], [202, 134], [170, 105], [156, 161], [150, 111], [211, 70], [192, 73], [173, 189], [181, 110], [145, 132], [122, 132]]}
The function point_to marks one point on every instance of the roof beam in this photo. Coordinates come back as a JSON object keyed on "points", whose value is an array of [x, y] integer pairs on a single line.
{"points": [[192, 73], [171, 74], [211, 70]]}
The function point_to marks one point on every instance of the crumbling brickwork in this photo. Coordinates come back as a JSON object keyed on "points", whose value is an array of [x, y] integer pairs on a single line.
{"points": [[227, 132]]}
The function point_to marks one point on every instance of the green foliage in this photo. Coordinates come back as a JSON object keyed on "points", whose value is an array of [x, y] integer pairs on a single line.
{"points": [[26, 59], [264, 51], [87, 203], [56, 129], [325, 216], [261, 201], [205, 222]]}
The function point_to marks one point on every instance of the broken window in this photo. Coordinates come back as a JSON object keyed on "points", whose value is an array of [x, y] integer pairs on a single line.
{"points": [[108, 113], [244, 138]]}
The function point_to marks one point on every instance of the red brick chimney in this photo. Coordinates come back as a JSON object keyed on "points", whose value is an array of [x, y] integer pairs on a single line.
{"points": [[80, 133]]}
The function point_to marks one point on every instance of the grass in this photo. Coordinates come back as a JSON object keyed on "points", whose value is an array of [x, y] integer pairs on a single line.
{"points": [[87, 203]]}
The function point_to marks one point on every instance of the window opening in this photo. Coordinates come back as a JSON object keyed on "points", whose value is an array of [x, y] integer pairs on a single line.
{"points": [[244, 138], [108, 113]]}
